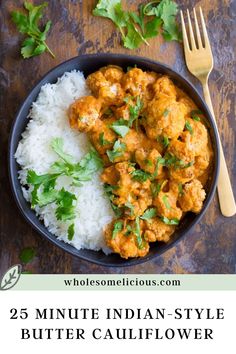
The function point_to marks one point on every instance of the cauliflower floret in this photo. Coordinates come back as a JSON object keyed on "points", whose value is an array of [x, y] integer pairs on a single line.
{"points": [[148, 160], [135, 82], [192, 197], [156, 230], [166, 202], [125, 240], [111, 95], [84, 113], [112, 73], [164, 86], [164, 116]]}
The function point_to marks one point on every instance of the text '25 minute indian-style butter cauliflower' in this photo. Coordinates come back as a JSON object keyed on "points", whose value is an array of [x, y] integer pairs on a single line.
{"points": [[156, 151]]}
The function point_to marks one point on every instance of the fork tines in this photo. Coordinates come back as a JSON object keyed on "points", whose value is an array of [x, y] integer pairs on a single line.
{"points": [[195, 41]]}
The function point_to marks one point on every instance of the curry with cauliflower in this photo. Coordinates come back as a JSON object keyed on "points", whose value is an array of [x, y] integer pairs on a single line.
{"points": [[156, 151]]}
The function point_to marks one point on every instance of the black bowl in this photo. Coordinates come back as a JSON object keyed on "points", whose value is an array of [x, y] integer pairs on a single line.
{"points": [[89, 64]]}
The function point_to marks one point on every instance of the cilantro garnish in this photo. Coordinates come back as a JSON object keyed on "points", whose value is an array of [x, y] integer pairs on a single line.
{"points": [[137, 233], [164, 140], [172, 160], [134, 110], [166, 11], [129, 230], [180, 189], [71, 232], [35, 43], [118, 226], [166, 201], [160, 161], [120, 127], [167, 221], [140, 175], [131, 207], [133, 38], [166, 112], [57, 146], [102, 140], [109, 192], [66, 208], [195, 114], [149, 214], [155, 188], [136, 27], [189, 127], [148, 162], [143, 176], [27, 255], [117, 151], [45, 191]]}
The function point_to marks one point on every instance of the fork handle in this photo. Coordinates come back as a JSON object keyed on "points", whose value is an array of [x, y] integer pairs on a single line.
{"points": [[225, 193]]}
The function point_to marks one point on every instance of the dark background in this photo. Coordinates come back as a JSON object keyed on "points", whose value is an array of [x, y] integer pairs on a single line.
{"points": [[211, 246]]}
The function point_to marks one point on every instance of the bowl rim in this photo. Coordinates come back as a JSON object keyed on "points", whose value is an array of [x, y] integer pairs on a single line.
{"points": [[54, 240]]}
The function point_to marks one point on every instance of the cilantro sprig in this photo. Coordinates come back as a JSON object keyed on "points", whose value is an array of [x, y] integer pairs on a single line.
{"points": [[118, 226], [44, 186], [120, 127], [149, 214], [102, 140], [109, 192], [35, 42], [137, 27], [117, 151]]}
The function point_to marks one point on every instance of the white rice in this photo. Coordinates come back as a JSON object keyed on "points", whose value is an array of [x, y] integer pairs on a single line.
{"points": [[47, 120]]}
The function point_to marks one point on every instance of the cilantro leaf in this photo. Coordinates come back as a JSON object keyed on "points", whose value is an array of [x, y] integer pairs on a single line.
{"points": [[152, 28], [124, 21], [166, 202], [129, 230], [149, 214], [195, 114], [171, 160], [28, 24], [57, 146], [102, 140], [118, 150], [118, 225], [156, 187], [89, 164], [167, 221], [166, 112], [160, 161], [131, 207], [164, 140], [189, 127], [180, 189], [28, 47], [66, 209], [71, 232], [134, 109], [133, 38], [112, 9], [140, 175], [166, 11], [27, 255], [45, 191], [120, 127], [109, 192], [137, 233]]}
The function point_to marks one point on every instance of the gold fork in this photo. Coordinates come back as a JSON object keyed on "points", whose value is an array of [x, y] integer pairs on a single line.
{"points": [[199, 61]]}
